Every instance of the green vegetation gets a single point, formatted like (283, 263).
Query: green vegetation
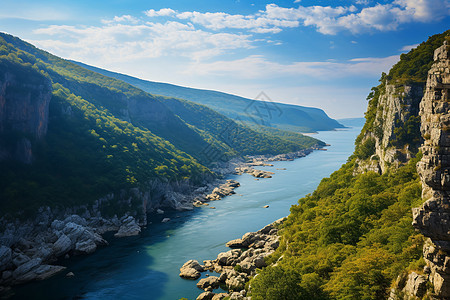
(278, 115)
(352, 237)
(349, 239)
(233, 137)
(414, 66)
(105, 135)
(411, 69)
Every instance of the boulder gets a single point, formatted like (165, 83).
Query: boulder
(191, 270)
(26, 268)
(46, 271)
(76, 219)
(165, 220)
(235, 283)
(206, 296)
(220, 296)
(259, 262)
(5, 257)
(247, 266)
(62, 245)
(19, 259)
(209, 282)
(73, 231)
(44, 251)
(85, 247)
(229, 258)
(237, 243)
(128, 228)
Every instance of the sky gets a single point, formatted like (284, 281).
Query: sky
(318, 53)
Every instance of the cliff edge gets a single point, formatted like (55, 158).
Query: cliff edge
(432, 219)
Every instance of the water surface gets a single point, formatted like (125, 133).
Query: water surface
(147, 266)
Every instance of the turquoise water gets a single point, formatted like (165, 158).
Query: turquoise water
(147, 266)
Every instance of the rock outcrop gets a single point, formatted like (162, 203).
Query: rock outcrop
(191, 270)
(235, 266)
(432, 219)
(24, 110)
(396, 110)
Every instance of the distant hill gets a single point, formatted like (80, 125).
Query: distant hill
(69, 136)
(261, 112)
(352, 122)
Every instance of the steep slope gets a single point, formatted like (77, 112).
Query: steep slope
(278, 115)
(69, 135)
(236, 136)
(433, 217)
(353, 237)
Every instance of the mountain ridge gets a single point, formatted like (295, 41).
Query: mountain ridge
(286, 116)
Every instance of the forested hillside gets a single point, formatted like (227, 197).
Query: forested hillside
(262, 110)
(70, 135)
(353, 237)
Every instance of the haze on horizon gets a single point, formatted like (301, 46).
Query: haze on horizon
(309, 52)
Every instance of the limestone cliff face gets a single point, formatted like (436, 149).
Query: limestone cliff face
(433, 217)
(24, 109)
(397, 109)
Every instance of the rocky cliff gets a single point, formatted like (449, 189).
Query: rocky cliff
(391, 132)
(24, 110)
(432, 219)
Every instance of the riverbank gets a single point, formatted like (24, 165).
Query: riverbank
(29, 250)
(235, 267)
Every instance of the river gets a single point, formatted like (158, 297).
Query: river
(147, 266)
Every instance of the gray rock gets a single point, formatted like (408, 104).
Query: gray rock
(62, 245)
(44, 252)
(26, 268)
(46, 271)
(128, 228)
(85, 247)
(416, 285)
(73, 231)
(191, 270)
(70, 275)
(220, 296)
(5, 257)
(20, 259)
(209, 282)
(76, 219)
(58, 225)
(237, 243)
(206, 296)
(260, 262)
(235, 283)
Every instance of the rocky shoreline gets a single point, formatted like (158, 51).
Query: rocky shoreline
(28, 250)
(234, 267)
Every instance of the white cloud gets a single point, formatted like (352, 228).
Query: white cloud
(425, 10)
(117, 42)
(254, 23)
(327, 19)
(163, 12)
(122, 19)
(258, 67)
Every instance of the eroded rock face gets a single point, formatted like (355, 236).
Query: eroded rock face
(24, 109)
(433, 217)
(397, 106)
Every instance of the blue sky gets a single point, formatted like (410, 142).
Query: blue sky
(321, 53)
